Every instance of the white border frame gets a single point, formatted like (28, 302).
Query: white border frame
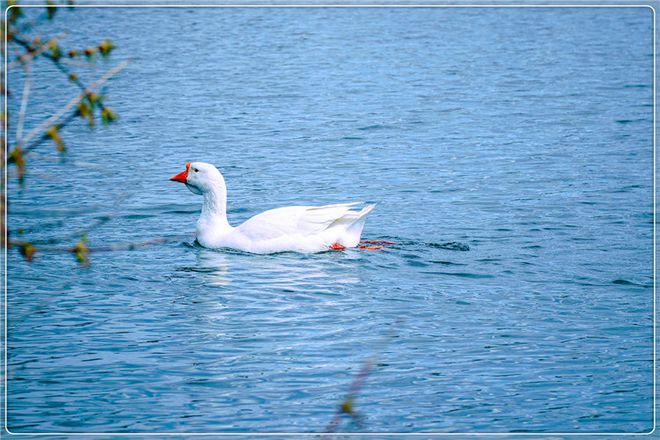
(334, 6)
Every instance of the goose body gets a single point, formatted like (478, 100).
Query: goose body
(305, 229)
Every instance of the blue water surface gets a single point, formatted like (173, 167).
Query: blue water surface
(510, 153)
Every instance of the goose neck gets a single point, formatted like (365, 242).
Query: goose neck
(214, 208)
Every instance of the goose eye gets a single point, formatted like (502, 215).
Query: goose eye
(195, 170)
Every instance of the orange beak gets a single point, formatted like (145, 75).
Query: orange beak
(182, 176)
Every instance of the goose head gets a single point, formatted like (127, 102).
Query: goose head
(200, 178)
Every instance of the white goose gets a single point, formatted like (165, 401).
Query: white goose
(293, 228)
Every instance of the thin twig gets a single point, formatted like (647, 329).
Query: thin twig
(118, 202)
(76, 163)
(76, 63)
(26, 26)
(132, 245)
(347, 405)
(44, 136)
(27, 84)
(57, 116)
(99, 221)
(74, 235)
(124, 246)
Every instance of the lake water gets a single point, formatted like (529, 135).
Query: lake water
(510, 153)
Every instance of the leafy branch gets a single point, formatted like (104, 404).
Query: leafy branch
(27, 50)
(82, 249)
(29, 47)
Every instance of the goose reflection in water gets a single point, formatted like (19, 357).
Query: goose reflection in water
(321, 273)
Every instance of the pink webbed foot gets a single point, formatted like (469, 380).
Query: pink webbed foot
(337, 247)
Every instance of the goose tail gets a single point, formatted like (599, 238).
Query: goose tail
(353, 222)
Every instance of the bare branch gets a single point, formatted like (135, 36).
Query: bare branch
(57, 116)
(27, 84)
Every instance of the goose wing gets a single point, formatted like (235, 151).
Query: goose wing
(296, 220)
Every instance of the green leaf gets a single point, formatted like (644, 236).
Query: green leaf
(54, 134)
(108, 116)
(55, 50)
(347, 406)
(27, 250)
(93, 98)
(16, 157)
(81, 251)
(106, 47)
(89, 53)
(85, 111)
